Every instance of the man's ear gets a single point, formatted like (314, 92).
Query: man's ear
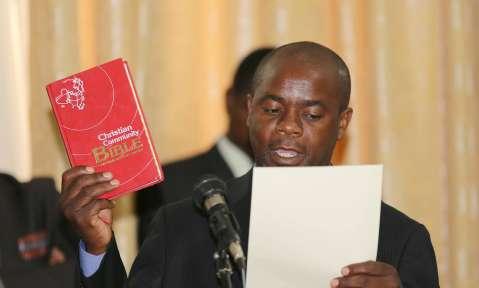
(249, 106)
(229, 100)
(344, 119)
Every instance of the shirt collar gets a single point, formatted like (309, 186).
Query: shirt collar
(237, 160)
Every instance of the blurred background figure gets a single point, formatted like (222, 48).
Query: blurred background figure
(229, 157)
(414, 67)
(35, 249)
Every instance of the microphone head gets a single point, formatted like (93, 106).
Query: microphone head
(207, 186)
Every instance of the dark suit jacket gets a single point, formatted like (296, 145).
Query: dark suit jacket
(178, 252)
(180, 177)
(25, 209)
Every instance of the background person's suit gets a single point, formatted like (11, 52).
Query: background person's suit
(180, 177)
(29, 210)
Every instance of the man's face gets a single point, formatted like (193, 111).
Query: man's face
(294, 116)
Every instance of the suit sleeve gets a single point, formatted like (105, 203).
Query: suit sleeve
(147, 202)
(110, 274)
(149, 266)
(418, 267)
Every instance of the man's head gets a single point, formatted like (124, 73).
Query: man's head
(237, 97)
(298, 107)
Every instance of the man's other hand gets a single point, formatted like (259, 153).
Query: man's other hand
(368, 274)
(90, 216)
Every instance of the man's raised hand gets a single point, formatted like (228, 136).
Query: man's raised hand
(91, 217)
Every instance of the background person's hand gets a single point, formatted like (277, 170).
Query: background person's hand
(368, 274)
(91, 217)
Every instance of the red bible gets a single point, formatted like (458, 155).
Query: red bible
(102, 126)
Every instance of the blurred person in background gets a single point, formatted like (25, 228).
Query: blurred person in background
(230, 156)
(35, 243)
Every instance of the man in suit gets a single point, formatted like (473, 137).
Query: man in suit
(297, 111)
(36, 246)
(230, 157)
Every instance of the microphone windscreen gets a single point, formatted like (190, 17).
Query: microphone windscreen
(207, 186)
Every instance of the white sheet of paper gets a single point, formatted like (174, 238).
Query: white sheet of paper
(308, 222)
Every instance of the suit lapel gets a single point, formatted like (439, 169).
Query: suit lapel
(214, 159)
(240, 202)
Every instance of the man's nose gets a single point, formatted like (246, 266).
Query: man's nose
(290, 124)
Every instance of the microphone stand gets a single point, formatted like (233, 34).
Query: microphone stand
(224, 269)
(210, 197)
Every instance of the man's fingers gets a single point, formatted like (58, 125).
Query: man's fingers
(357, 281)
(106, 216)
(98, 205)
(80, 182)
(74, 172)
(350, 282)
(89, 193)
(369, 268)
(88, 215)
(365, 281)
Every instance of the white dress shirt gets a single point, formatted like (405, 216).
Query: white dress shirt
(237, 160)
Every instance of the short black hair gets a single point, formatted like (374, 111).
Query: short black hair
(307, 51)
(243, 78)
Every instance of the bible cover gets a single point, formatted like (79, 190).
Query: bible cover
(102, 126)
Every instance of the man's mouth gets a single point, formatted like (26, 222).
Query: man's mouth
(286, 153)
(286, 156)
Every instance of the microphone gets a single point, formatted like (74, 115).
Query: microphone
(209, 195)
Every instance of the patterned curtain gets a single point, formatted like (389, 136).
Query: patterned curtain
(415, 71)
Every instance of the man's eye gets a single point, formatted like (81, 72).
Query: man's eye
(272, 111)
(311, 116)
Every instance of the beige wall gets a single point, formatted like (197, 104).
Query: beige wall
(15, 157)
(414, 68)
